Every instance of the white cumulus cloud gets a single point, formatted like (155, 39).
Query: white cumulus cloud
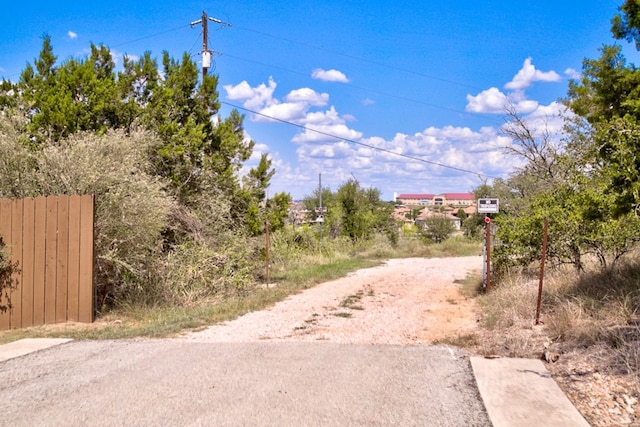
(494, 101)
(329, 75)
(308, 96)
(252, 97)
(572, 73)
(72, 35)
(529, 74)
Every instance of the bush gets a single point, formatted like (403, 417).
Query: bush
(436, 229)
(131, 206)
(17, 160)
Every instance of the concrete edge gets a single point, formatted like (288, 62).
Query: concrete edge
(28, 345)
(521, 392)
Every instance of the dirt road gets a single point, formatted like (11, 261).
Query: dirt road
(404, 301)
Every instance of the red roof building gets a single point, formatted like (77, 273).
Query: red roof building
(449, 199)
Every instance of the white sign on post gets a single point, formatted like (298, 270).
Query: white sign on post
(488, 206)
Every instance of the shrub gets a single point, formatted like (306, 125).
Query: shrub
(436, 229)
(131, 207)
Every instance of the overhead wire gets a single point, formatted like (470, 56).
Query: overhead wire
(353, 141)
(375, 91)
(150, 36)
(358, 58)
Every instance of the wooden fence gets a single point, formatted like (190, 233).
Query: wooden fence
(51, 240)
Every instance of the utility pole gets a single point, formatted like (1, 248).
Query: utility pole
(206, 53)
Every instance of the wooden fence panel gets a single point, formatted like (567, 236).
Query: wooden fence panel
(51, 239)
(62, 259)
(73, 301)
(16, 246)
(39, 257)
(27, 269)
(50, 248)
(86, 263)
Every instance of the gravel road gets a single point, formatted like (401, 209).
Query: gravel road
(211, 381)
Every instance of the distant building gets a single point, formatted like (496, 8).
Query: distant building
(442, 199)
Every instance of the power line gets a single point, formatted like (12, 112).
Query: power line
(378, 92)
(358, 58)
(383, 150)
(150, 36)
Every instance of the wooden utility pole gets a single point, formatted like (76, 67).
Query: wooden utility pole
(206, 53)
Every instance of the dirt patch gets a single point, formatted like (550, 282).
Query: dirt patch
(404, 301)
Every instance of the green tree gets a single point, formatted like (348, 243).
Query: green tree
(627, 24)
(277, 210)
(607, 97)
(257, 207)
(608, 88)
(362, 211)
(79, 95)
(437, 228)
(197, 150)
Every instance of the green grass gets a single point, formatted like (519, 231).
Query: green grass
(471, 286)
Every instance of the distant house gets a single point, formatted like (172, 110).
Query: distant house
(462, 200)
(448, 213)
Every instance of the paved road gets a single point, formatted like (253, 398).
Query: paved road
(174, 382)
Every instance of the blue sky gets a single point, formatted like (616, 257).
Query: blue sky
(424, 79)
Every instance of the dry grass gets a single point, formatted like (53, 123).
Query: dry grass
(577, 312)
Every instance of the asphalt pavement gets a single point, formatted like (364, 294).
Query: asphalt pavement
(175, 382)
(54, 382)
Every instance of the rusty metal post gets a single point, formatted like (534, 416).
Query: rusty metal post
(266, 224)
(544, 256)
(487, 223)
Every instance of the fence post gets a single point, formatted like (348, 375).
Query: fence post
(544, 256)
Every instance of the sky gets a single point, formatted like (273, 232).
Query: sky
(403, 96)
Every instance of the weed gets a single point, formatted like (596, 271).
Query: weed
(466, 340)
(351, 300)
(342, 314)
